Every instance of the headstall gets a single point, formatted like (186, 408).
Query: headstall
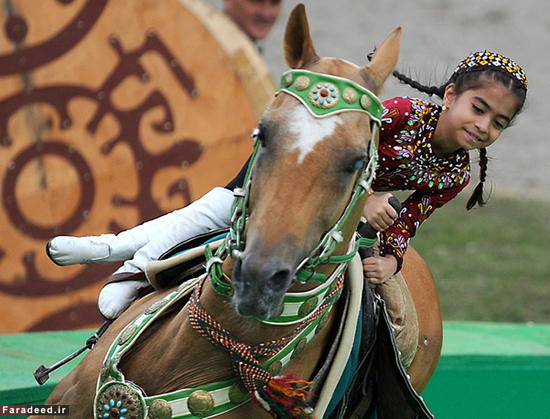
(323, 95)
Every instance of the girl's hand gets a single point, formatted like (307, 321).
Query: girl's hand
(378, 211)
(378, 269)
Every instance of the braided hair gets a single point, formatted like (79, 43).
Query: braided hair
(467, 80)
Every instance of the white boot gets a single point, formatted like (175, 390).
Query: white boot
(115, 297)
(211, 212)
(70, 250)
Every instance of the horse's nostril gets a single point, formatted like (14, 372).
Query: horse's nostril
(237, 270)
(279, 281)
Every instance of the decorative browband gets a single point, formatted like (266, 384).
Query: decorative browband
(325, 95)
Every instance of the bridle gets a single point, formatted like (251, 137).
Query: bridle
(323, 95)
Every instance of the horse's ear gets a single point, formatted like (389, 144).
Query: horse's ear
(384, 59)
(299, 49)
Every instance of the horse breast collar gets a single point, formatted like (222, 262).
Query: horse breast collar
(118, 398)
(278, 395)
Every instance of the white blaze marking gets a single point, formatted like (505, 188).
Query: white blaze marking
(309, 130)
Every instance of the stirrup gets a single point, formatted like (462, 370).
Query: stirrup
(42, 374)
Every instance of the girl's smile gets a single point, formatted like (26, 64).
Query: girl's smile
(473, 138)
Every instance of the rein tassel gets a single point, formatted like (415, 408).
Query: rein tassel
(286, 398)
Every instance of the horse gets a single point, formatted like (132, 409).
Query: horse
(292, 235)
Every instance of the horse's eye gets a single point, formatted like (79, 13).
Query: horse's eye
(259, 135)
(355, 166)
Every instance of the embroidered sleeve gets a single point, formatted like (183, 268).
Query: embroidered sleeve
(415, 210)
(395, 117)
(407, 162)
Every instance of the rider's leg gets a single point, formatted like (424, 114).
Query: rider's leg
(402, 313)
(71, 250)
(212, 211)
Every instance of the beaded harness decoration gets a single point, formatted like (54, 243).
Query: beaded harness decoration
(118, 398)
(271, 392)
(283, 397)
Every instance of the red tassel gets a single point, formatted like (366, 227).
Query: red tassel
(287, 398)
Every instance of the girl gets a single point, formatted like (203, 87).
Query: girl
(423, 147)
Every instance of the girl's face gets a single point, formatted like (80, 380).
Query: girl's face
(475, 118)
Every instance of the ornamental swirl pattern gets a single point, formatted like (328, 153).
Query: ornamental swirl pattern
(99, 130)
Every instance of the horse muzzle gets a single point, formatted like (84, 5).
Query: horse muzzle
(259, 287)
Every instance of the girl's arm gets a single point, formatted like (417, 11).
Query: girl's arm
(378, 269)
(416, 209)
(380, 214)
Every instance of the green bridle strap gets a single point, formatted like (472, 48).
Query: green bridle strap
(239, 208)
(322, 255)
(218, 281)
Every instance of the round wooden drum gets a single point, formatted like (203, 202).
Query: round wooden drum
(112, 112)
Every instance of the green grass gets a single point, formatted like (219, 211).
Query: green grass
(491, 263)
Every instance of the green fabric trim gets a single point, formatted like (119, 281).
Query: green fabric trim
(324, 95)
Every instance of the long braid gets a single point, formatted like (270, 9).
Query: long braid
(429, 90)
(477, 195)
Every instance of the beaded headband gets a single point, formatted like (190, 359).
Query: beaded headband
(482, 60)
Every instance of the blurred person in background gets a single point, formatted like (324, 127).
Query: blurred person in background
(255, 17)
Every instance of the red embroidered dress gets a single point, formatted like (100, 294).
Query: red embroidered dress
(408, 162)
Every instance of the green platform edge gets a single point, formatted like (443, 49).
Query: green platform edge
(487, 370)
(21, 354)
(490, 371)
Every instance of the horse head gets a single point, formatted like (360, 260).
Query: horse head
(306, 165)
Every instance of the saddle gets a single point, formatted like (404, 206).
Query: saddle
(380, 388)
(374, 384)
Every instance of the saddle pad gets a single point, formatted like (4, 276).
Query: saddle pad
(161, 273)
(392, 394)
(396, 397)
(336, 373)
